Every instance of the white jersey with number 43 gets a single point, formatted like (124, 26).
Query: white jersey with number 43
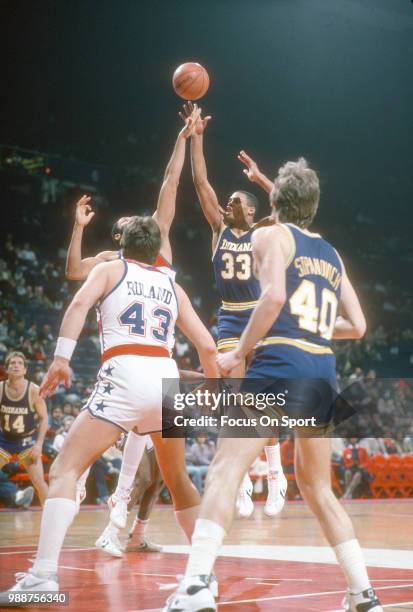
(141, 309)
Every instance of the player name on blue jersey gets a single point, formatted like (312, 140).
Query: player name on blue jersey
(239, 247)
(312, 266)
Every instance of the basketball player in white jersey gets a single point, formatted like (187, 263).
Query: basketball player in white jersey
(78, 268)
(138, 307)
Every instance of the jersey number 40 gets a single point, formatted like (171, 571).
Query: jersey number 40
(318, 319)
(134, 318)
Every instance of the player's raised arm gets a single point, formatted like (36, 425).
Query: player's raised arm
(93, 289)
(351, 324)
(253, 173)
(192, 327)
(165, 209)
(270, 261)
(76, 267)
(41, 409)
(206, 194)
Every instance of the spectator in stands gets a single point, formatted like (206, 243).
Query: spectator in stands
(408, 441)
(373, 446)
(11, 496)
(56, 419)
(392, 448)
(356, 476)
(61, 436)
(198, 457)
(67, 408)
(26, 254)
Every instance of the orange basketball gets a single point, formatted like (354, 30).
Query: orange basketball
(190, 81)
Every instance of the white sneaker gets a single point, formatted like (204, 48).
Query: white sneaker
(142, 545)
(24, 497)
(244, 504)
(213, 585)
(28, 581)
(366, 601)
(192, 595)
(277, 491)
(118, 506)
(109, 543)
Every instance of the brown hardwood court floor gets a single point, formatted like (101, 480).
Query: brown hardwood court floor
(280, 564)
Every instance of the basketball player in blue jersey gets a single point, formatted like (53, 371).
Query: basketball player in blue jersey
(23, 422)
(303, 287)
(239, 290)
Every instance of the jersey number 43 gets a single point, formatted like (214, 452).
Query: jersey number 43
(134, 318)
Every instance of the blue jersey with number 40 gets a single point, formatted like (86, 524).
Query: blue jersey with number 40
(313, 286)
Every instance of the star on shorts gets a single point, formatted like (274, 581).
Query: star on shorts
(108, 371)
(108, 388)
(100, 406)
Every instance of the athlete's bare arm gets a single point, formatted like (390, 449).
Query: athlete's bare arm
(99, 282)
(206, 194)
(192, 327)
(253, 173)
(351, 323)
(76, 267)
(165, 209)
(39, 405)
(270, 264)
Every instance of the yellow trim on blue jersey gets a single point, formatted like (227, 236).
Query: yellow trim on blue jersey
(304, 345)
(238, 306)
(5, 454)
(227, 343)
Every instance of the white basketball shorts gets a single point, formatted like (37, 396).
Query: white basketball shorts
(128, 391)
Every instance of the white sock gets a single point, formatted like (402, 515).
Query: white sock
(111, 529)
(81, 483)
(206, 541)
(132, 455)
(246, 484)
(351, 560)
(58, 514)
(272, 454)
(186, 519)
(138, 529)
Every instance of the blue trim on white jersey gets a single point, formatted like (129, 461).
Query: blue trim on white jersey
(125, 263)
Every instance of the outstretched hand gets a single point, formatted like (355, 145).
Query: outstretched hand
(59, 371)
(251, 171)
(84, 213)
(190, 119)
(201, 123)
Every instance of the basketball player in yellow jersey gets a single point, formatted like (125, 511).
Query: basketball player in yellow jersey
(239, 291)
(23, 422)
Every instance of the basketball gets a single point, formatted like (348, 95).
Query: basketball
(190, 81)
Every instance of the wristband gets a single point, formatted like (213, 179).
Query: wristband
(65, 347)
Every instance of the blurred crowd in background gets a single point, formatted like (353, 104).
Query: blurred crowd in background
(34, 293)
